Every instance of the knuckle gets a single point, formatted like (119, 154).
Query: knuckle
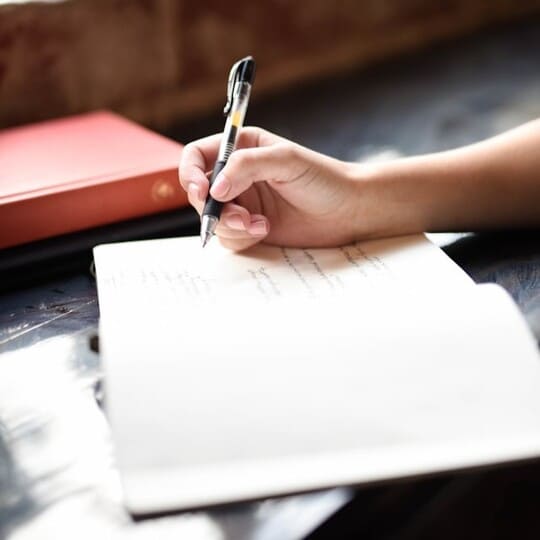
(251, 130)
(184, 158)
(189, 147)
(240, 159)
(287, 151)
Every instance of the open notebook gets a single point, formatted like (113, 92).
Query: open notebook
(239, 376)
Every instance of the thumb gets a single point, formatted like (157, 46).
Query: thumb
(278, 163)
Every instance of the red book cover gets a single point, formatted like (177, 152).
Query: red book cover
(80, 172)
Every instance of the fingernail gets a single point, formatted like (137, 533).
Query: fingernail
(234, 221)
(193, 190)
(220, 186)
(258, 228)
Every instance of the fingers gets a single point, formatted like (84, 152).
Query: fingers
(238, 231)
(279, 162)
(236, 223)
(198, 157)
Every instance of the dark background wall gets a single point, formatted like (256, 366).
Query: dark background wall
(164, 61)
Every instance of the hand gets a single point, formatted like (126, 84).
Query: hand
(285, 194)
(274, 190)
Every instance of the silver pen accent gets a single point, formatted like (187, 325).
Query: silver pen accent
(208, 228)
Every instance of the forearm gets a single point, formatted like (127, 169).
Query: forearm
(488, 185)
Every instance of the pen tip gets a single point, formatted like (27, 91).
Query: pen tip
(205, 238)
(208, 226)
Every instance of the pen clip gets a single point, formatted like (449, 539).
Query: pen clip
(233, 77)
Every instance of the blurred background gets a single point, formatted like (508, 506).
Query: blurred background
(359, 79)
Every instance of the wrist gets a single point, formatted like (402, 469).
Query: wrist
(392, 199)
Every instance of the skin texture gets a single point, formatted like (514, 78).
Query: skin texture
(281, 193)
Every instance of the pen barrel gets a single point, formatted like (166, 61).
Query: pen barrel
(213, 207)
(235, 120)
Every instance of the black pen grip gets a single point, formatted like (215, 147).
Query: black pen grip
(212, 207)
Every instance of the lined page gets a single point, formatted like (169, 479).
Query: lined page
(163, 274)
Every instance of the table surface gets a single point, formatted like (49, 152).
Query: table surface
(57, 476)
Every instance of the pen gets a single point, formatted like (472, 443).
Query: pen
(238, 90)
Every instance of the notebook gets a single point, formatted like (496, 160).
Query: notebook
(238, 376)
(80, 172)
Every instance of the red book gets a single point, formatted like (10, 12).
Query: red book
(80, 172)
